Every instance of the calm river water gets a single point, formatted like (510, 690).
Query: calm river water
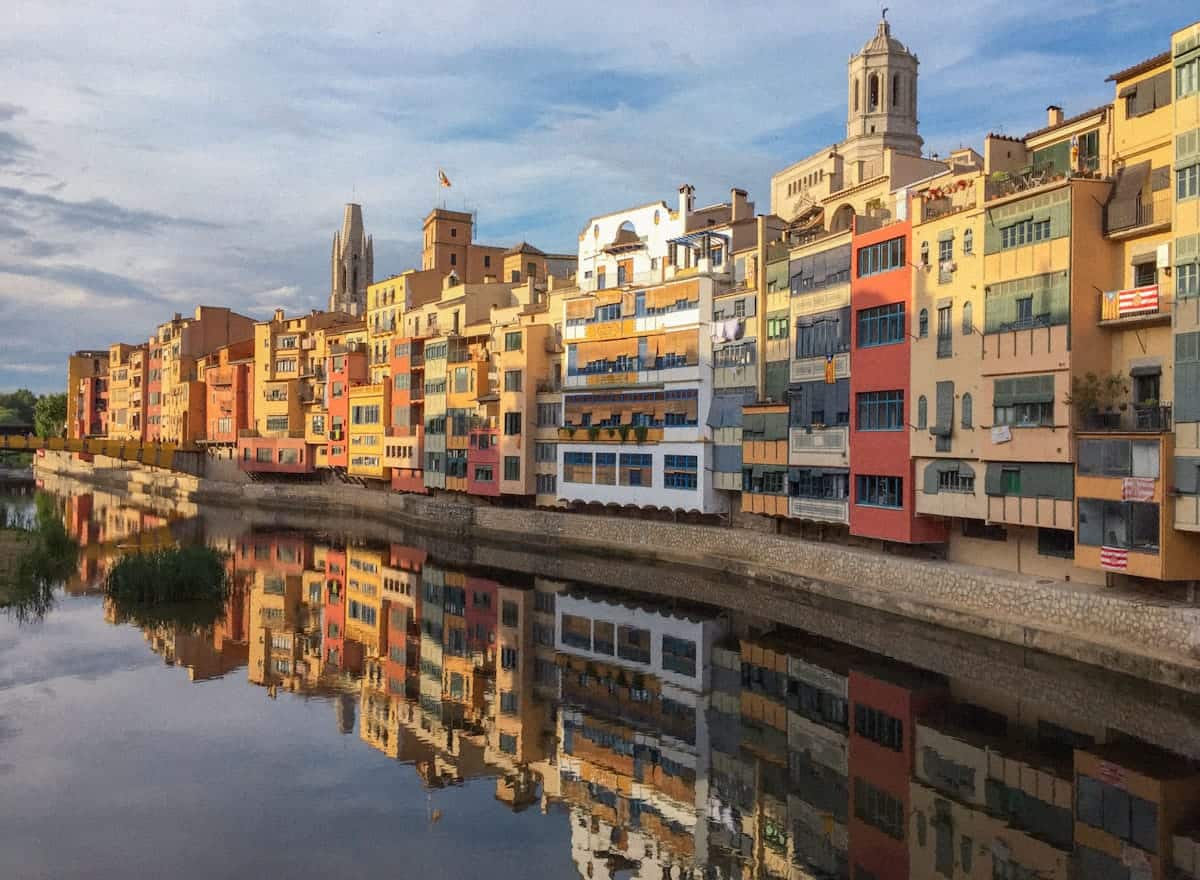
(373, 703)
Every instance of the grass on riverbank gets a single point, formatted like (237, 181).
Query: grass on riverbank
(169, 576)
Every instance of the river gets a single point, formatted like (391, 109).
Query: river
(379, 702)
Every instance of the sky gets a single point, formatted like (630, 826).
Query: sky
(155, 156)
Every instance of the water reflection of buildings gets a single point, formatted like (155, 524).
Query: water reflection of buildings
(682, 740)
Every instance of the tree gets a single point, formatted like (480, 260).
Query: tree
(18, 406)
(50, 415)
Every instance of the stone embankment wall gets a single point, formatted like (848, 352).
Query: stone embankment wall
(1124, 631)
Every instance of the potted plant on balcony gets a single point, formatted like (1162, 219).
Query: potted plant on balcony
(593, 432)
(640, 432)
(612, 433)
(1095, 397)
(623, 430)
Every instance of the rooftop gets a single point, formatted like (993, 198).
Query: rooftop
(1141, 67)
(1068, 121)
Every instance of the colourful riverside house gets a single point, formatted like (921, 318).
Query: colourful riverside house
(765, 459)
(346, 367)
(881, 472)
(228, 376)
(1185, 225)
(86, 372)
(370, 413)
(125, 420)
(154, 387)
(1125, 459)
(405, 443)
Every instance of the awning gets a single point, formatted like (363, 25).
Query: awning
(940, 430)
(1142, 259)
(699, 238)
(953, 465)
(1146, 370)
(946, 235)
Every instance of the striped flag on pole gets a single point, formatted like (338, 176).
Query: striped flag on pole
(1114, 557)
(443, 179)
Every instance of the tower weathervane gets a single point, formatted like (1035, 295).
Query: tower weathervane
(883, 12)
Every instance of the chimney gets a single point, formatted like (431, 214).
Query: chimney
(739, 208)
(278, 315)
(687, 194)
(1054, 115)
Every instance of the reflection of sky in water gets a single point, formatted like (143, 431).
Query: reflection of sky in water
(115, 765)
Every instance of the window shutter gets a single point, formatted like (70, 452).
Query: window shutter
(1187, 475)
(1187, 148)
(945, 409)
(1122, 209)
(1162, 89)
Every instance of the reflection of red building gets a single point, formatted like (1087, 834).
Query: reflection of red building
(347, 367)
(881, 471)
(408, 413)
(483, 462)
(480, 615)
(334, 615)
(884, 704)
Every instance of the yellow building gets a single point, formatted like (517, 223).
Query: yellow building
(125, 419)
(369, 408)
(365, 608)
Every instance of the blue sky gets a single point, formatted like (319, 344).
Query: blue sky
(153, 157)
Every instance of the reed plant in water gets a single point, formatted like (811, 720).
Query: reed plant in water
(172, 575)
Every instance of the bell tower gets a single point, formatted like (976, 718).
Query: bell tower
(352, 265)
(882, 102)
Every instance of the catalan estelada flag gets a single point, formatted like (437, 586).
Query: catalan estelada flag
(443, 179)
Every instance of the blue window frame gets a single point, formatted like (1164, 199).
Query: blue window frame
(881, 411)
(871, 491)
(679, 471)
(882, 257)
(882, 325)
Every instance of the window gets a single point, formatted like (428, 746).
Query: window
(546, 484)
(364, 415)
(508, 658)
(879, 727)
(945, 251)
(549, 415)
(968, 241)
(577, 467)
(636, 469)
(512, 423)
(512, 380)
(679, 655)
(1187, 280)
(883, 325)
(1024, 415)
(512, 467)
(512, 341)
(606, 468)
(872, 491)
(509, 613)
(277, 423)
(544, 452)
(1024, 232)
(968, 407)
(1117, 812)
(955, 481)
(922, 412)
(1126, 525)
(777, 328)
(1119, 458)
(1187, 182)
(944, 331)
(881, 411)
(923, 323)
(1056, 542)
(882, 257)
(968, 319)
(1187, 78)
(483, 473)
(633, 644)
(679, 472)
(879, 809)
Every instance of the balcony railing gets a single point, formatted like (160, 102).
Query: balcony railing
(1007, 183)
(1152, 419)
(1119, 219)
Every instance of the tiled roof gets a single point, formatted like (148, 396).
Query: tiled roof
(1070, 121)
(1141, 67)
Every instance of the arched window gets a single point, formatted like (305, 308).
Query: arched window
(856, 94)
(968, 241)
(922, 411)
(873, 92)
(895, 90)
(967, 414)
(968, 322)
(923, 324)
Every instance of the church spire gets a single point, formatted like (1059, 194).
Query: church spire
(352, 264)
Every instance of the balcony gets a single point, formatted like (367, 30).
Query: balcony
(1139, 418)
(832, 510)
(1008, 183)
(1146, 216)
(1134, 306)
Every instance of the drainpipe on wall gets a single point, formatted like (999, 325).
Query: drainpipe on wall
(760, 309)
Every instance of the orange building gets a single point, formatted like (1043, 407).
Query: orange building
(228, 375)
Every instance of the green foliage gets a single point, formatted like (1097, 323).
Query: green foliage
(640, 433)
(50, 415)
(161, 577)
(46, 554)
(1094, 393)
(593, 432)
(16, 408)
(623, 430)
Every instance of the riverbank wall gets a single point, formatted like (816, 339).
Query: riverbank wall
(1153, 638)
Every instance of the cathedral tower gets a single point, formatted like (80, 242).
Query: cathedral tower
(882, 101)
(352, 265)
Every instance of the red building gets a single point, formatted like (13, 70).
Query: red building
(483, 462)
(92, 410)
(883, 501)
(333, 616)
(885, 702)
(402, 665)
(276, 455)
(154, 392)
(229, 388)
(406, 436)
(346, 367)
(481, 615)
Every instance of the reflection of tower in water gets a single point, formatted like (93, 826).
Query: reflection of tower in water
(343, 708)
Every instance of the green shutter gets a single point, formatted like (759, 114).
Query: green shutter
(1038, 479)
(1023, 389)
(1051, 295)
(945, 409)
(1187, 148)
